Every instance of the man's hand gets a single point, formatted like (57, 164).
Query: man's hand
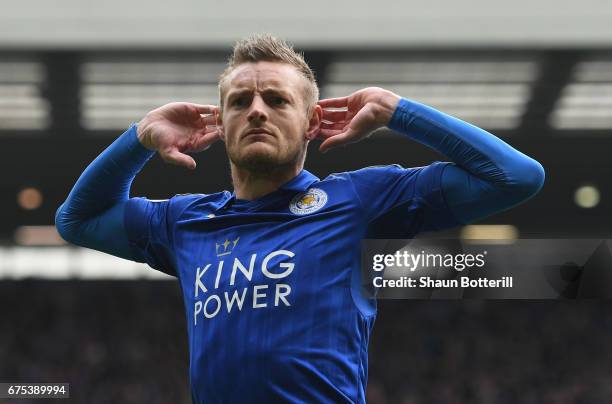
(354, 117)
(178, 128)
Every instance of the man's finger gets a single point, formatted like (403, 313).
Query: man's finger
(209, 117)
(341, 102)
(208, 120)
(334, 116)
(333, 125)
(173, 156)
(326, 133)
(335, 141)
(206, 140)
(205, 109)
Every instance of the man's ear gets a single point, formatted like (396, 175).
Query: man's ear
(314, 123)
(219, 124)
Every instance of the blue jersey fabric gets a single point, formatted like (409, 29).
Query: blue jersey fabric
(272, 297)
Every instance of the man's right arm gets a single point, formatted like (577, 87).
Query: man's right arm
(94, 213)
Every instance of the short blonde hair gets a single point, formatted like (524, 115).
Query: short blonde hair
(265, 47)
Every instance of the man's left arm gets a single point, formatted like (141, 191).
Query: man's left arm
(488, 176)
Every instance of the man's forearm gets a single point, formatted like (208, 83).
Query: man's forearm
(506, 175)
(104, 184)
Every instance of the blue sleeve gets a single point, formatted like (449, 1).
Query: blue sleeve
(95, 211)
(488, 175)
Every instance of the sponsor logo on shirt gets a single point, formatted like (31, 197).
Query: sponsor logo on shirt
(235, 282)
(308, 202)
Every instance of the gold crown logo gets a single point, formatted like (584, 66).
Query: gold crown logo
(226, 247)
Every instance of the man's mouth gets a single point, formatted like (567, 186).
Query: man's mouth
(259, 132)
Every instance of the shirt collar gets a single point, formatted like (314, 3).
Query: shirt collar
(299, 183)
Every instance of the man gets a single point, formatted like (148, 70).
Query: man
(270, 273)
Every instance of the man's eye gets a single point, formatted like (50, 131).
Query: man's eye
(278, 101)
(239, 102)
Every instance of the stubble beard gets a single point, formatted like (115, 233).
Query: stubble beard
(265, 161)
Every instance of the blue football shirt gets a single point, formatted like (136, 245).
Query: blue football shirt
(271, 287)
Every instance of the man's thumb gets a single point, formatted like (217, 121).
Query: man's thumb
(180, 159)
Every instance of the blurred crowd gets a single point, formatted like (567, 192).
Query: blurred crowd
(491, 352)
(114, 342)
(125, 342)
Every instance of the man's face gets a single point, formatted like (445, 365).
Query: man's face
(265, 122)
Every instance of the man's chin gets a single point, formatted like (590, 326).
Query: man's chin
(258, 159)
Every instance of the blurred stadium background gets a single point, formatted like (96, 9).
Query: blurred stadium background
(74, 75)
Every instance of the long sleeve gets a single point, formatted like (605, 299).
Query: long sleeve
(93, 214)
(488, 175)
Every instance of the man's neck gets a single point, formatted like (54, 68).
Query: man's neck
(250, 185)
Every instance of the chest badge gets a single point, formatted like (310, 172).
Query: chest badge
(308, 202)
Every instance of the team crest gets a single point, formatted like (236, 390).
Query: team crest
(308, 202)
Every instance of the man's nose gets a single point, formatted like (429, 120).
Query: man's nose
(257, 110)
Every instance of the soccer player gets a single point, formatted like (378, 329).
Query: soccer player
(270, 273)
